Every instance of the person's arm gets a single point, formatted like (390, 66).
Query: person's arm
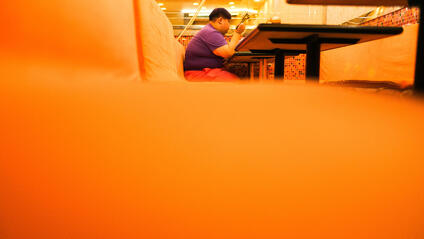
(229, 49)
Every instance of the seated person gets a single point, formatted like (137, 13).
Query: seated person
(205, 53)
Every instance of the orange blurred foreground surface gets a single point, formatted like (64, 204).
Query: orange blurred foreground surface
(123, 160)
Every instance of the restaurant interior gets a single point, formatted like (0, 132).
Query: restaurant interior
(318, 135)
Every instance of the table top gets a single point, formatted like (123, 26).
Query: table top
(253, 57)
(352, 2)
(293, 37)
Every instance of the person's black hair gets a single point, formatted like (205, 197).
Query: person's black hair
(219, 12)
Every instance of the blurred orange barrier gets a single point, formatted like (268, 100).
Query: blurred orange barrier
(391, 60)
(109, 159)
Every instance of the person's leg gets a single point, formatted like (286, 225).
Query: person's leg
(196, 76)
(208, 74)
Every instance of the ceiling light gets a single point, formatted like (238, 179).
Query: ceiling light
(232, 7)
(257, 0)
(195, 3)
(231, 3)
(163, 8)
(160, 4)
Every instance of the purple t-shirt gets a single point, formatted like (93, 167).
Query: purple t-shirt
(199, 52)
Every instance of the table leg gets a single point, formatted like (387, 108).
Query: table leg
(252, 71)
(419, 65)
(313, 53)
(261, 69)
(279, 65)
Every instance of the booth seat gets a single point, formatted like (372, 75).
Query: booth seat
(389, 61)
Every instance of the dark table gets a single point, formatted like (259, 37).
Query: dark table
(281, 40)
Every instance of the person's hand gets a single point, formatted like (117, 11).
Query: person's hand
(240, 29)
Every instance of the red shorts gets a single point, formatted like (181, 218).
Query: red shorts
(210, 74)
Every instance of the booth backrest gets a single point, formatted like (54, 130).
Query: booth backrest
(391, 59)
(68, 39)
(87, 39)
(160, 51)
